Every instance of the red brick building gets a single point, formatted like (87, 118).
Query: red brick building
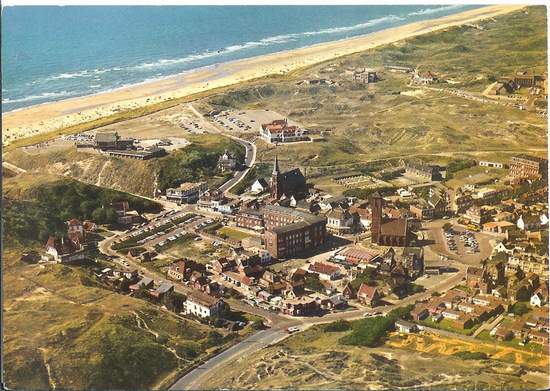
(387, 231)
(528, 167)
(290, 232)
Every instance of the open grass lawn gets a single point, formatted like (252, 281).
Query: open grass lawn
(233, 233)
(447, 324)
(513, 343)
(476, 176)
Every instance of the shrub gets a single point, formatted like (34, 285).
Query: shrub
(257, 324)
(339, 325)
(369, 332)
(471, 355)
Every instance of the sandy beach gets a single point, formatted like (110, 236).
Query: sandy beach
(57, 115)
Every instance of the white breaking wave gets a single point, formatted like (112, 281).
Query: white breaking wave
(166, 63)
(274, 40)
(45, 95)
(428, 11)
(84, 73)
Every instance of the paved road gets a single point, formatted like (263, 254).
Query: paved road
(250, 160)
(252, 344)
(14, 168)
(250, 150)
(197, 378)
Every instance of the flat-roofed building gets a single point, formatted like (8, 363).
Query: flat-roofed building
(290, 232)
(187, 192)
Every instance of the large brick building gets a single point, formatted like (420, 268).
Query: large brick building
(250, 218)
(290, 232)
(387, 231)
(528, 167)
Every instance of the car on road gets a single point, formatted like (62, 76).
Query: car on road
(292, 330)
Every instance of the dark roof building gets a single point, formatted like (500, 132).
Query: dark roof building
(290, 183)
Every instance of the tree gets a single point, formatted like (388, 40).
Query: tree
(313, 283)
(98, 215)
(520, 308)
(110, 216)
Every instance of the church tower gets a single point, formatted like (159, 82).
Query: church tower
(275, 185)
(376, 204)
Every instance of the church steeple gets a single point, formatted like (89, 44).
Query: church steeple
(275, 186)
(276, 166)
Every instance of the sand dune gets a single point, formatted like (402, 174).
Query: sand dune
(57, 115)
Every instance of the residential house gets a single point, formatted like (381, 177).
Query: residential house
(325, 271)
(368, 295)
(259, 186)
(405, 327)
(145, 282)
(63, 249)
(202, 304)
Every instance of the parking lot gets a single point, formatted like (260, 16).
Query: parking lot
(461, 242)
(459, 251)
(248, 121)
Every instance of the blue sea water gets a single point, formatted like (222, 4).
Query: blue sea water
(53, 53)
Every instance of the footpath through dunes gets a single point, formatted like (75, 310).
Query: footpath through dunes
(145, 98)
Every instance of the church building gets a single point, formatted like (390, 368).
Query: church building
(387, 231)
(290, 183)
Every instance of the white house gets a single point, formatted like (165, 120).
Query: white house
(63, 249)
(537, 300)
(405, 327)
(501, 248)
(202, 305)
(259, 186)
(340, 220)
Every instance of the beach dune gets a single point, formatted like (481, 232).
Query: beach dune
(54, 116)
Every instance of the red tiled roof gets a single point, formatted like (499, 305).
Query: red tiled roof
(362, 255)
(367, 291)
(395, 227)
(323, 268)
(73, 222)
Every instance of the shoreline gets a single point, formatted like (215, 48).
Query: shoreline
(53, 116)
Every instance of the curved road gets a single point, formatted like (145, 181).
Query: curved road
(250, 150)
(197, 378)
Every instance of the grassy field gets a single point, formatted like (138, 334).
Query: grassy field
(447, 324)
(383, 120)
(63, 330)
(313, 359)
(232, 233)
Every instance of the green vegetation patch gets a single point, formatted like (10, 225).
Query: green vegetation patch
(33, 211)
(196, 162)
(373, 331)
(471, 355)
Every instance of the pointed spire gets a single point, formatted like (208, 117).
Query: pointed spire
(276, 166)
